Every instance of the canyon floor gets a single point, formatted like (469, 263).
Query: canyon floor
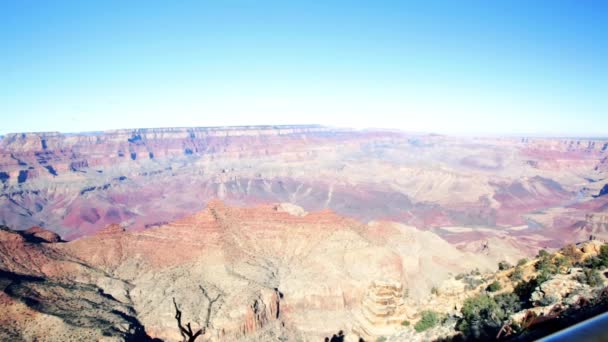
(273, 232)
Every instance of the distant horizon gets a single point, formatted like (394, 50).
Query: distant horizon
(312, 125)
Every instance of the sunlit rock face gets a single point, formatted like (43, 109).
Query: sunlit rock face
(77, 184)
(271, 232)
(252, 273)
(382, 309)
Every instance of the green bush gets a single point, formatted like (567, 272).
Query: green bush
(405, 323)
(484, 315)
(428, 320)
(563, 264)
(546, 265)
(594, 263)
(478, 321)
(522, 262)
(495, 286)
(604, 252)
(472, 282)
(525, 288)
(590, 277)
(509, 303)
(503, 265)
(517, 274)
(600, 261)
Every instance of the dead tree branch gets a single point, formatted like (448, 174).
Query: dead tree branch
(187, 334)
(209, 307)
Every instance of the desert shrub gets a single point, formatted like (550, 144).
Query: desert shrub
(572, 253)
(545, 265)
(472, 282)
(428, 320)
(405, 323)
(483, 315)
(495, 286)
(522, 262)
(600, 261)
(503, 265)
(476, 306)
(604, 254)
(478, 320)
(563, 263)
(543, 253)
(524, 290)
(590, 277)
(517, 274)
(543, 276)
(435, 290)
(381, 339)
(509, 303)
(460, 276)
(594, 263)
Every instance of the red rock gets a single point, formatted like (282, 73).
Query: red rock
(43, 234)
(111, 230)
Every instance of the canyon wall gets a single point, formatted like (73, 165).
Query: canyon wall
(76, 184)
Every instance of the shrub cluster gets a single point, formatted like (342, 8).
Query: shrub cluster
(517, 274)
(503, 265)
(428, 320)
(495, 286)
(483, 315)
(600, 261)
(590, 277)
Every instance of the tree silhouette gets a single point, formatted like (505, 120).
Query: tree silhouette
(188, 335)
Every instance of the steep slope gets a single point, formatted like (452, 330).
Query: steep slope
(275, 270)
(52, 296)
(516, 303)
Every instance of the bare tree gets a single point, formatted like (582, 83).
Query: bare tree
(211, 302)
(186, 331)
(187, 334)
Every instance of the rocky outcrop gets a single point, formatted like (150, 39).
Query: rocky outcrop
(596, 223)
(265, 308)
(382, 310)
(266, 273)
(556, 289)
(39, 234)
(291, 209)
(111, 229)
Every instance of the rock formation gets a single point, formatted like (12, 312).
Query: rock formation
(382, 310)
(269, 273)
(77, 184)
(308, 217)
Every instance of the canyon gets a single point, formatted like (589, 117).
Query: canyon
(272, 232)
(76, 184)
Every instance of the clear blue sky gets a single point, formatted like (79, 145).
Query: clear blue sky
(448, 66)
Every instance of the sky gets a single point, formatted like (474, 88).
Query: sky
(454, 67)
